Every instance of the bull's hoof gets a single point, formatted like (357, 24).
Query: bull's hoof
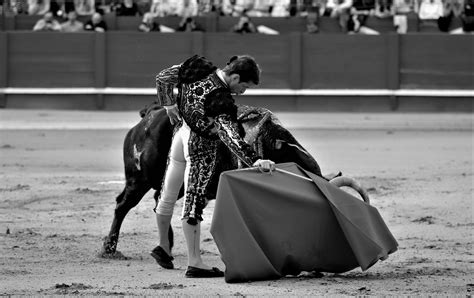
(116, 255)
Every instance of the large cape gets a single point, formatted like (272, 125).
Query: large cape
(267, 226)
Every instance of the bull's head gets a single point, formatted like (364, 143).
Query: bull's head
(272, 141)
(282, 147)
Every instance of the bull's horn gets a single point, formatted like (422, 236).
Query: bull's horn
(350, 182)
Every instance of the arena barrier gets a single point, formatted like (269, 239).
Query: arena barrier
(274, 99)
(117, 70)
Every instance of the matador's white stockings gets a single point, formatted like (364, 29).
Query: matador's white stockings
(177, 169)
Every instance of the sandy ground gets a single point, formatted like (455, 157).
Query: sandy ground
(61, 171)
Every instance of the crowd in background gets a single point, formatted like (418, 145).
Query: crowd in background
(350, 14)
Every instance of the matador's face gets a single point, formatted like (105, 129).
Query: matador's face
(237, 87)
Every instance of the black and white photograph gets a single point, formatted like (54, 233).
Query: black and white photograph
(248, 148)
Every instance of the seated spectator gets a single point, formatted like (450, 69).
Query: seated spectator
(356, 23)
(47, 23)
(312, 22)
(281, 8)
(143, 6)
(261, 8)
(149, 24)
(454, 8)
(187, 9)
(304, 7)
(401, 9)
(451, 9)
(313, 6)
(163, 8)
(104, 6)
(72, 24)
(360, 11)
(84, 7)
(189, 25)
(58, 8)
(313, 10)
(207, 6)
(467, 18)
(430, 10)
(17, 7)
(67, 6)
(96, 23)
(339, 10)
(38, 7)
(127, 8)
(244, 25)
(383, 8)
(236, 8)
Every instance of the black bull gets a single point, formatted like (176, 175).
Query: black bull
(145, 154)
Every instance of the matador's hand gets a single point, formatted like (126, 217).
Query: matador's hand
(265, 164)
(173, 113)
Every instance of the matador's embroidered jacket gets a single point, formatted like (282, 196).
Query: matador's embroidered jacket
(209, 110)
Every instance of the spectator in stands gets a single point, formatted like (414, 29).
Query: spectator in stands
(357, 23)
(187, 9)
(430, 10)
(454, 7)
(402, 9)
(163, 8)
(189, 25)
(312, 22)
(360, 11)
(143, 6)
(72, 24)
(18, 6)
(313, 6)
(261, 8)
(47, 23)
(339, 9)
(84, 7)
(64, 7)
(96, 23)
(38, 7)
(467, 18)
(281, 8)
(236, 8)
(244, 25)
(149, 24)
(451, 9)
(383, 8)
(57, 7)
(127, 8)
(207, 6)
(313, 10)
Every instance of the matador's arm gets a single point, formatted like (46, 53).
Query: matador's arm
(166, 80)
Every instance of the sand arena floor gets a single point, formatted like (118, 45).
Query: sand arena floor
(61, 172)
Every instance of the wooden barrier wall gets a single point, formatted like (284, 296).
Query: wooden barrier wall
(296, 61)
(289, 61)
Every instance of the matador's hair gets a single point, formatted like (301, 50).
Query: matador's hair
(245, 66)
(194, 69)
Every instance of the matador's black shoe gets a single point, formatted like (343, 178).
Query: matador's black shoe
(162, 258)
(195, 272)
